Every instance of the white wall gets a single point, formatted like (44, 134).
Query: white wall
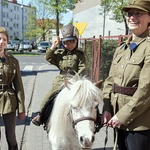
(95, 23)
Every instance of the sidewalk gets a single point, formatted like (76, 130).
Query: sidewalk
(35, 138)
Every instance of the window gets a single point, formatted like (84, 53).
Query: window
(7, 24)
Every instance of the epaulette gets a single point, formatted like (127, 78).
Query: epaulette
(122, 45)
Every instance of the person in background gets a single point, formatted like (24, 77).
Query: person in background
(127, 89)
(67, 57)
(11, 91)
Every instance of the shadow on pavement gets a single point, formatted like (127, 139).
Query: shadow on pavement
(30, 73)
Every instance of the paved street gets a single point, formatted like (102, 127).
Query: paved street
(31, 137)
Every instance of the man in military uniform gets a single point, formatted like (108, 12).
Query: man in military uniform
(67, 58)
(127, 89)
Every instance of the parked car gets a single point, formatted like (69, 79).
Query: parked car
(42, 46)
(25, 45)
(16, 44)
(10, 46)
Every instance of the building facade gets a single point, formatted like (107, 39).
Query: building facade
(88, 11)
(14, 17)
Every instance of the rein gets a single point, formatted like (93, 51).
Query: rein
(98, 126)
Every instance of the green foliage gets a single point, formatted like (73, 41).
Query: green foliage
(39, 24)
(4, 2)
(31, 24)
(88, 55)
(62, 6)
(114, 8)
(48, 15)
(107, 50)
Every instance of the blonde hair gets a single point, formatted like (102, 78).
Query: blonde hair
(4, 31)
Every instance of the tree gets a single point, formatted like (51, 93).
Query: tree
(57, 7)
(115, 7)
(39, 24)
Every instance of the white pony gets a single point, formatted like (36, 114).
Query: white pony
(72, 122)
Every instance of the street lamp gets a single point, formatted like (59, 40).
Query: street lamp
(22, 26)
(1, 13)
(22, 20)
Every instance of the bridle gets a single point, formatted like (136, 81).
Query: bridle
(98, 125)
(97, 121)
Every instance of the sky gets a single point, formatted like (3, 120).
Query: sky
(66, 17)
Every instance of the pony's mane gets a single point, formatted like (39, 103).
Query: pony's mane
(83, 93)
(80, 93)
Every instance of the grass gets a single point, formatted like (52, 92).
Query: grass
(25, 53)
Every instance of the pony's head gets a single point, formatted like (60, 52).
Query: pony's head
(84, 98)
(74, 114)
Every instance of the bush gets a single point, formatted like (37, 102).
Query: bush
(107, 50)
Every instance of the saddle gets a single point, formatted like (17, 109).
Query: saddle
(48, 107)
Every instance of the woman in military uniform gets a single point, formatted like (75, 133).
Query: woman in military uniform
(11, 91)
(67, 58)
(127, 89)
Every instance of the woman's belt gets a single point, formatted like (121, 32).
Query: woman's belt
(123, 90)
(4, 87)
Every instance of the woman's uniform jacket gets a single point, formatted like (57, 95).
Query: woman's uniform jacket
(130, 68)
(11, 87)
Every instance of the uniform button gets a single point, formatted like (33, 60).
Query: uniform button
(133, 60)
(0, 73)
(115, 95)
(127, 58)
(120, 76)
(122, 66)
(128, 122)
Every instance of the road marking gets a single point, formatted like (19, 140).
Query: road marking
(28, 68)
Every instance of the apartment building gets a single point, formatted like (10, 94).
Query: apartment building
(88, 11)
(14, 17)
